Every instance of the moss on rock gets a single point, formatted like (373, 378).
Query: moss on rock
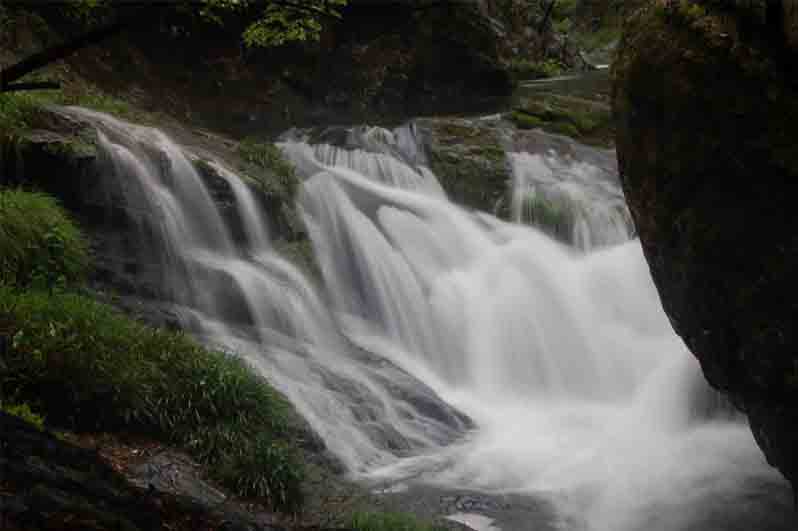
(706, 105)
(469, 161)
(584, 120)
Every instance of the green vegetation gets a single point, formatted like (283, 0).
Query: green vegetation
(266, 23)
(525, 69)
(20, 111)
(585, 120)
(371, 521)
(688, 10)
(522, 120)
(40, 244)
(268, 168)
(24, 412)
(87, 367)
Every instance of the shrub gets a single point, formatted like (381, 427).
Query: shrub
(39, 243)
(373, 521)
(89, 367)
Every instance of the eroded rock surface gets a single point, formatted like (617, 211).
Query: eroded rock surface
(706, 102)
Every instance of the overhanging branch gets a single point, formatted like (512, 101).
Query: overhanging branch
(37, 85)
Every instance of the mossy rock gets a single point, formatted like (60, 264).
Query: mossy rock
(469, 161)
(585, 120)
(706, 102)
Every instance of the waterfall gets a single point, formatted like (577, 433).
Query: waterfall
(572, 199)
(448, 346)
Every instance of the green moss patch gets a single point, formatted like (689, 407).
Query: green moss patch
(582, 119)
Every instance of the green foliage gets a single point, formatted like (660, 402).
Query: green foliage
(691, 10)
(17, 111)
(267, 166)
(276, 23)
(525, 69)
(88, 367)
(24, 412)
(523, 120)
(40, 245)
(374, 521)
(687, 10)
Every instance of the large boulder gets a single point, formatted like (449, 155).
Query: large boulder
(706, 104)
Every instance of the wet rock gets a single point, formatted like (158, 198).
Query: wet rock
(49, 483)
(706, 103)
(469, 159)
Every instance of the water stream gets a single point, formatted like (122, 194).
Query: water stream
(451, 348)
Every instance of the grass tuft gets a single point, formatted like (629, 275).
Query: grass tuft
(89, 367)
(40, 244)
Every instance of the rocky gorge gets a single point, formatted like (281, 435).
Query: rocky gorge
(541, 156)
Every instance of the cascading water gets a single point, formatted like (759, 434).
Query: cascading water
(572, 194)
(577, 388)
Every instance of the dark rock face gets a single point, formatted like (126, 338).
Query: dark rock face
(706, 103)
(49, 483)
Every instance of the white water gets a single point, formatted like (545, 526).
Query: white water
(578, 389)
(571, 198)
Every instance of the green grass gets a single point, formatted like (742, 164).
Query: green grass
(373, 521)
(20, 110)
(87, 367)
(39, 243)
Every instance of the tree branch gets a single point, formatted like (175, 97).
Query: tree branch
(37, 85)
(54, 53)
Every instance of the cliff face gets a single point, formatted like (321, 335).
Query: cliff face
(706, 104)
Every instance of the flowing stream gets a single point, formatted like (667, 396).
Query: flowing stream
(447, 347)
